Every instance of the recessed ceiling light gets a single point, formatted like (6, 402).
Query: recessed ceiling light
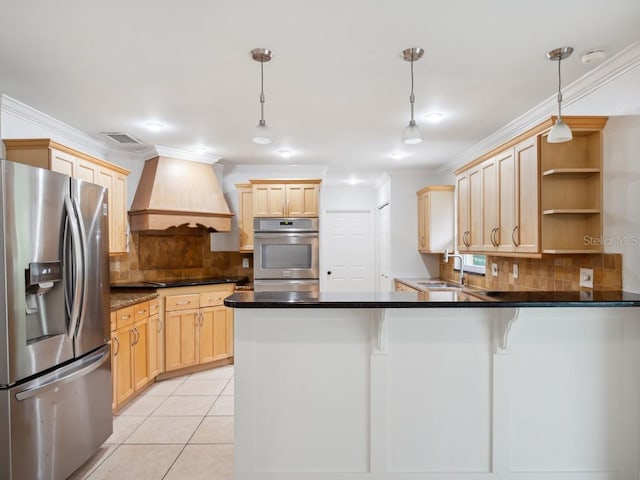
(397, 155)
(200, 149)
(434, 117)
(285, 153)
(154, 126)
(354, 181)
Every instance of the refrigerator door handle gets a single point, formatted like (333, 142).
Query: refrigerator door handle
(67, 374)
(82, 281)
(78, 259)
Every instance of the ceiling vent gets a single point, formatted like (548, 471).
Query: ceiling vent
(122, 138)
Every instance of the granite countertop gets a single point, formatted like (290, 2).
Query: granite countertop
(451, 298)
(121, 300)
(189, 282)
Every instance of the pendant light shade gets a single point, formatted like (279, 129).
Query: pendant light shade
(262, 133)
(560, 131)
(412, 134)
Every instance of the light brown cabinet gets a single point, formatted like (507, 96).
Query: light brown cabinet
(469, 200)
(198, 327)
(402, 287)
(45, 153)
(130, 352)
(436, 218)
(155, 345)
(285, 198)
(536, 197)
(571, 190)
(245, 216)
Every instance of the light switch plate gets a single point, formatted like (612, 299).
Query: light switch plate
(245, 262)
(586, 277)
(515, 270)
(494, 269)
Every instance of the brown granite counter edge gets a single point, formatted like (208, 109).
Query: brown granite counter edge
(125, 299)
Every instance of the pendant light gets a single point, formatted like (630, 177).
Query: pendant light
(262, 133)
(412, 133)
(560, 131)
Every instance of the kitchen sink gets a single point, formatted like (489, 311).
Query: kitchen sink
(439, 285)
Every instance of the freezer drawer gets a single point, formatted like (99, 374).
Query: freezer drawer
(51, 425)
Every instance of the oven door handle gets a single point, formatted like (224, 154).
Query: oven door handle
(270, 235)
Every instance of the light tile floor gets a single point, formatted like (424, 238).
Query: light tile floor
(178, 429)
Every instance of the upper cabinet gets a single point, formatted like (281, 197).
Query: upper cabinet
(469, 194)
(435, 218)
(285, 198)
(529, 197)
(245, 216)
(46, 153)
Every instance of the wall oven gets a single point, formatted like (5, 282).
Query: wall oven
(285, 255)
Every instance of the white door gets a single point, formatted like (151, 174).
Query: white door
(347, 252)
(385, 284)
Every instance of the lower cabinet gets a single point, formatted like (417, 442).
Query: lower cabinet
(403, 287)
(130, 362)
(155, 340)
(194, 328)
(199, 328)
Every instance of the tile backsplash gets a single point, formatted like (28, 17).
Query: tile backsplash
(175, 254)
(550, 273)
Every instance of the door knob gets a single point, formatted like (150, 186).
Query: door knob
(329, 272)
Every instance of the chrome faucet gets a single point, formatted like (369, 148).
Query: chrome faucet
(455, 255)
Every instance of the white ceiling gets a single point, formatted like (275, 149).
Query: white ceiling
(337, 90)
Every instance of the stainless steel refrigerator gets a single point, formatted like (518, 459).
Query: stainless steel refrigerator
(55, 364)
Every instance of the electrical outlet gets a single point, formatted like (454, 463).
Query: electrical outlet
(515, 270)
(494, 269)
(586, 277)
(245, 262)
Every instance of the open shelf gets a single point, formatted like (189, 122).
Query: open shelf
(577, 232)
(562, 211)
(567, 252)
(571, 171)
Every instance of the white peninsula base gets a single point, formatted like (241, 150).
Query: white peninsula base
(437, 393)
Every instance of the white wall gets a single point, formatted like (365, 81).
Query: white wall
(406, 261)
(621, 196)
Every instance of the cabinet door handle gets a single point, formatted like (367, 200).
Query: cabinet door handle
(183, 302)
(513, 236)
(115, 339)
(494, 241)
(160, 326)
(465, 239)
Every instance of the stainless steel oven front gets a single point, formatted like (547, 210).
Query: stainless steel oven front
(285, 248)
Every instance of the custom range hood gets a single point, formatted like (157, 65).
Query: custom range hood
(175, 192)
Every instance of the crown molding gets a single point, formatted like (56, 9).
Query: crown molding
(161, 151)
(56, 130)
(616, 66)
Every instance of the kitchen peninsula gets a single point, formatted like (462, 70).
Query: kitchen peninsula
(408, 385)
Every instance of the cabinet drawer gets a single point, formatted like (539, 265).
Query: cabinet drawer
(212, 299)
(154, 306)
(140, 311)
(182, 302)
(124, 317)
